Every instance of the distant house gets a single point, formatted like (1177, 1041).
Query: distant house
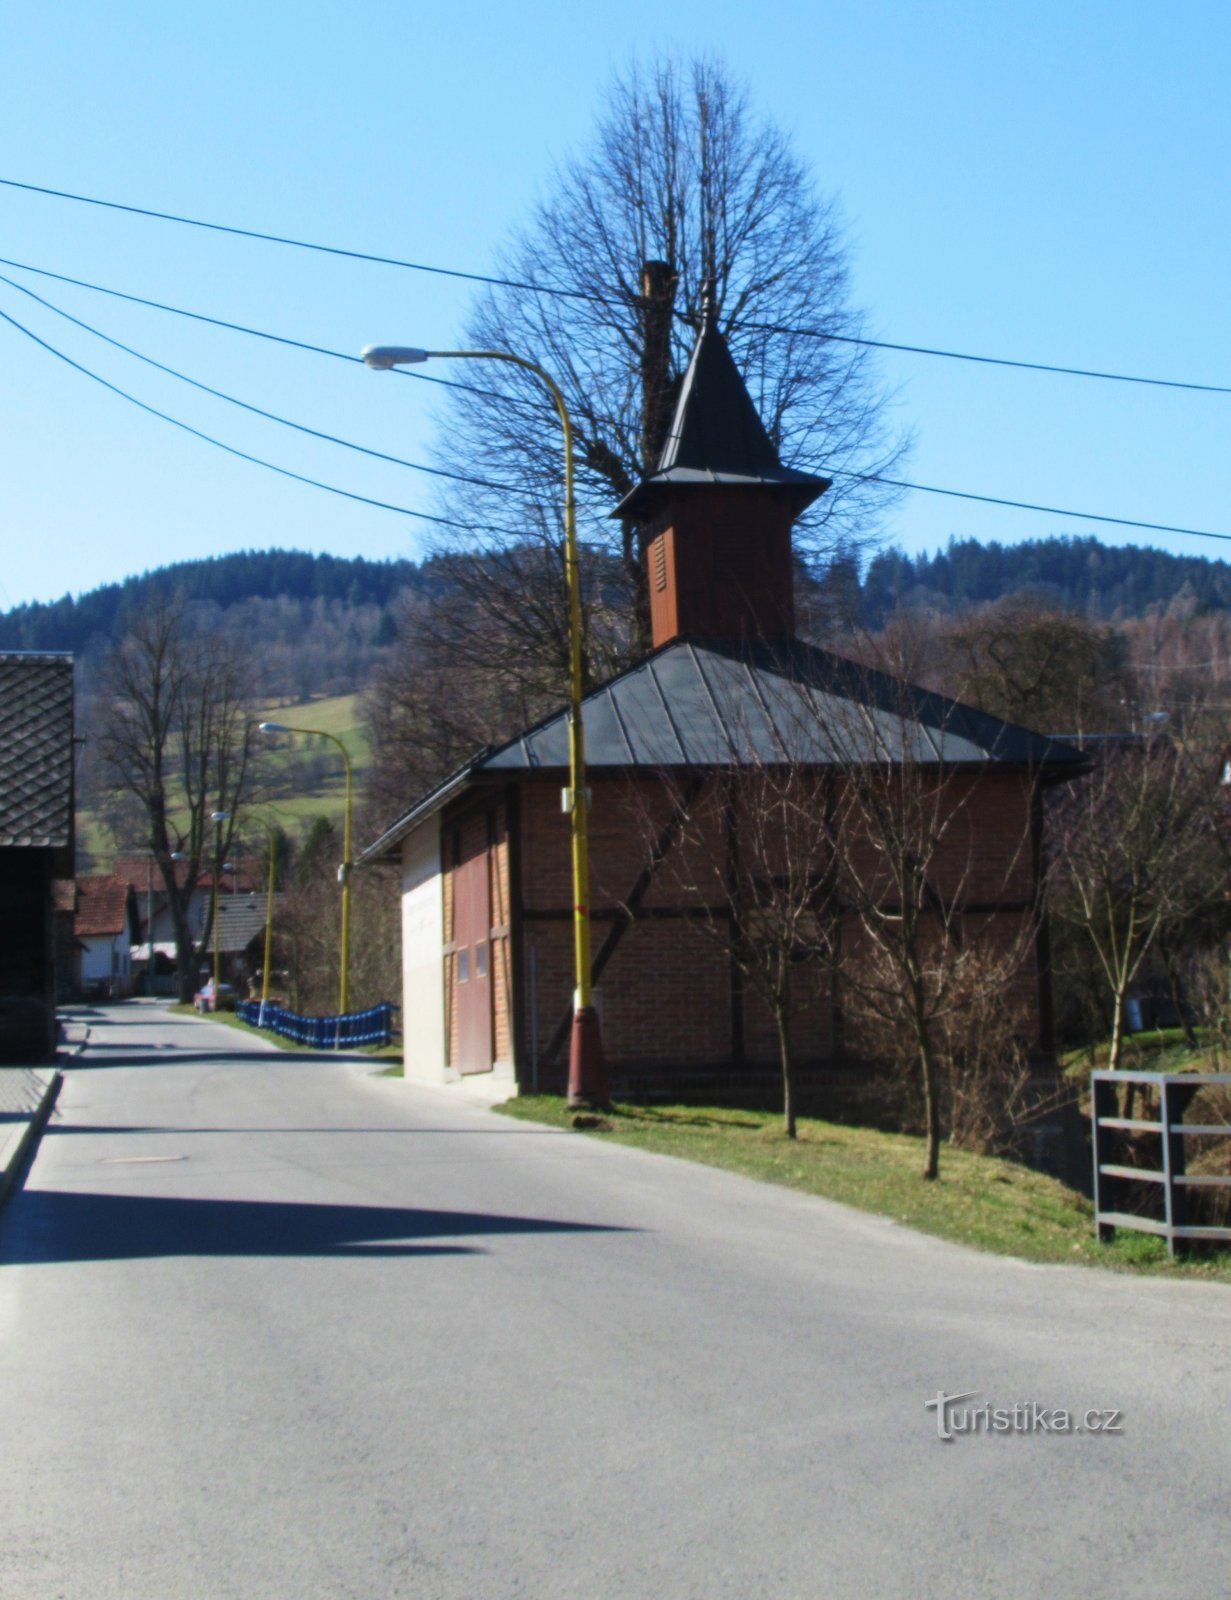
(727, 692)
(241, 937)
(105, 925)
(36, 844)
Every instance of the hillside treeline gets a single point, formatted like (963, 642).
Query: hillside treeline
(1075, 574)
(321, 624)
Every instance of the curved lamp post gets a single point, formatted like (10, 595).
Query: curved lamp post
(269, 916)
(587, 1073)
(344, 869)
(217, 818)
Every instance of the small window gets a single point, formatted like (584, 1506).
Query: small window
(463, 966)
(480, 960)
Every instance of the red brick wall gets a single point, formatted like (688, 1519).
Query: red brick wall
(666, 992)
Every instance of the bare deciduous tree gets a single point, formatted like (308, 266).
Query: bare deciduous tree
(754, 863)
(939, 919)
(175, 732)
(1138, 851)
(683, 184)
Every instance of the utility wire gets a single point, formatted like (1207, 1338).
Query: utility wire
(991, 361)
(243, 455)
(581, 294)
(244, 405)
(1027, 505)
(483, 483)
(298, 244)
(238, 327)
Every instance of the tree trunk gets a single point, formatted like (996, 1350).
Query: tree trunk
(1117, 1026)
(788, 1080)
(1175, 987)
(931, 1106)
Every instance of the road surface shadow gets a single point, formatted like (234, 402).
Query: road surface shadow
(60, 1130)
(47, 1225)
(127, 1055)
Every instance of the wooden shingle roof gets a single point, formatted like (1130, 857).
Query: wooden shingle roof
(36, 751)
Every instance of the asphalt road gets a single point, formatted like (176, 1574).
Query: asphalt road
(275, 1326)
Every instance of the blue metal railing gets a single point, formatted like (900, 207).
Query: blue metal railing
(373, 1026)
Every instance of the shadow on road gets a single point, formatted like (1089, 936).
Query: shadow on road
(43, 1226)
(60, 1130)
(127, 1055)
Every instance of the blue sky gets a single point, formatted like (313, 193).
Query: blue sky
(1045, 181)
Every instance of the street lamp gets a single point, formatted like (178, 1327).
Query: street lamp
(217, 818)
(344, 869)
(587, 1072)
(271, 872)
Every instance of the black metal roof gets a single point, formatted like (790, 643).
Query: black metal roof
(717, 437)
(724, 704)
(241, 917)
(36, 750)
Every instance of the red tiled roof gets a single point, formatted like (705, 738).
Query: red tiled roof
(102, 906)
(248, 876)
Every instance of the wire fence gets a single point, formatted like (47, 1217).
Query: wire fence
(373, 1026)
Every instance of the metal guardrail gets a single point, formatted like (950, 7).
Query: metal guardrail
(373, 1026)
(1112, 1176)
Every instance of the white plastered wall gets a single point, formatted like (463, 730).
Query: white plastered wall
(423, 984)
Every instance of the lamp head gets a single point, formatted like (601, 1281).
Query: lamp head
(383, 357)
(220, 816)
(273, 727)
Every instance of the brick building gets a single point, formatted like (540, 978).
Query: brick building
(678, 748)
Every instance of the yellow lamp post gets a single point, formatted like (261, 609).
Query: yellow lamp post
(344, 869)
(217, 818)
(587, 1077)
(269, 917)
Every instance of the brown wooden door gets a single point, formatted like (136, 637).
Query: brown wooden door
(472, 964)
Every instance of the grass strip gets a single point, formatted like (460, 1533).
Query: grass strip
(981, 1201)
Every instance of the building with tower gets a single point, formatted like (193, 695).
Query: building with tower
(727, 695)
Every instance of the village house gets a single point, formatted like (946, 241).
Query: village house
(728, 694)
(105, 926)
(36, 844)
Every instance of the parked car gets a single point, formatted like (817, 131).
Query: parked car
(204, 1000)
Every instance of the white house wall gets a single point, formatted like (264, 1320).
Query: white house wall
(423, 982)
(105, 956)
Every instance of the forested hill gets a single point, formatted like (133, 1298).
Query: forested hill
(79, 623)
(1080, 574)
(317, 624)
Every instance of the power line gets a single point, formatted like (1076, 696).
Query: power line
(1027, 505)
(896, 483)
(297, 244)
(237, 327)
(244, 405)
(596, 299)
(232, 450)
(992, 361)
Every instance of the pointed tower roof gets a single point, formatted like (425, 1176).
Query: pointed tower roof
(716, 436)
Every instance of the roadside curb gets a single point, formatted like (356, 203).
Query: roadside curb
(18, 1143)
